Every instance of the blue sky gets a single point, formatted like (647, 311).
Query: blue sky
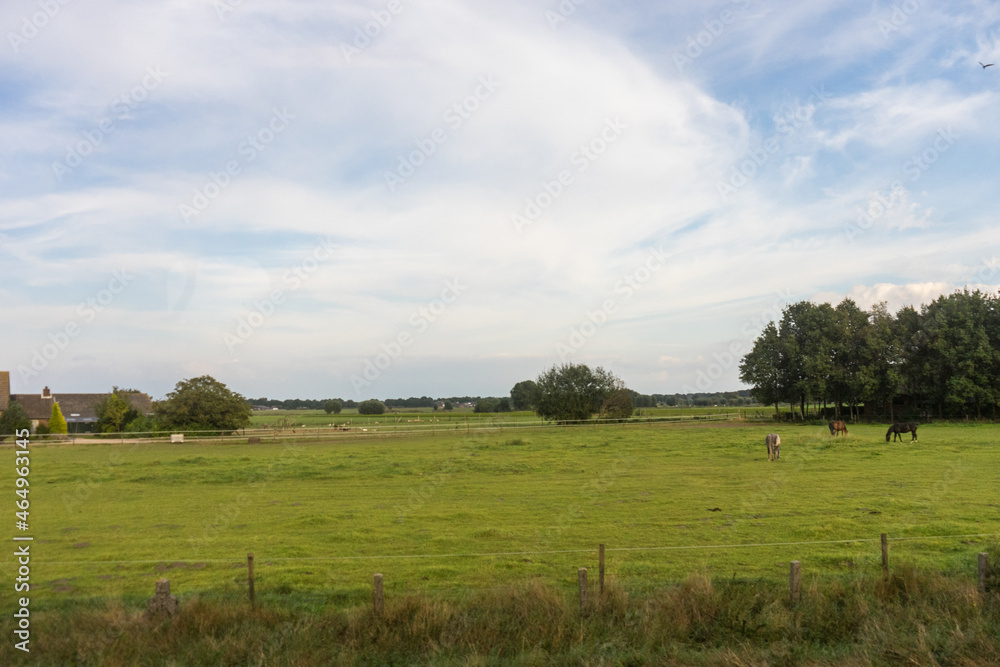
(383, 199)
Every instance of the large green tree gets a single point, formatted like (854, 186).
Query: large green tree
(960, 364)
(574, 392)
(761, 368)
(203, 403)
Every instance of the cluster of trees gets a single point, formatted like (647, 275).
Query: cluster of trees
(493, 405)
(739, 398)
(574, 392)
(942, 360)
(412, 402)
(525, 395)
(301, 403)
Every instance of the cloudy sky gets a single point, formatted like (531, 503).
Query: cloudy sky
(393, 198)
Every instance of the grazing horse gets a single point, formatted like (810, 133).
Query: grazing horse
(838, 427)
(773, 442)
(900, 427)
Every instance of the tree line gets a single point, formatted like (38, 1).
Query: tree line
(942, 360)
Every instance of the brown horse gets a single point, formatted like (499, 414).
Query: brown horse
(900, 427)
(838, 427)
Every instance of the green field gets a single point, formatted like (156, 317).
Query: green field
(423, 419)
(322, 516)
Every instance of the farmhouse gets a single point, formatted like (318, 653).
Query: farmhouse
(76, 408)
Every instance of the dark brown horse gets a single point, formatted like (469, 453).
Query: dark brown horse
(838, 427)
(896, 429)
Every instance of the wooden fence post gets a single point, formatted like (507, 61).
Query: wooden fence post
(581, 576)
(984, 570)
(795, 582)
(378, 599)
(885, 554)
(253, 600)
(600, 570)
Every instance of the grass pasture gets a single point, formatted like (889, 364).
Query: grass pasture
(321, 517)
(427, 419)
(678, 505)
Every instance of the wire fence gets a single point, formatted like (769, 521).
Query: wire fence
(352, 587)
(372, 429)
(499, 554)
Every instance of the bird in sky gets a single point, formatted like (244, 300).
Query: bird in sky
(986, 65)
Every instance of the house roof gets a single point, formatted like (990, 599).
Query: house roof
(76, 407)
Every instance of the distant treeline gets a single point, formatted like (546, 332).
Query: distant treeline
(720, 398)
(502, 403)
(299, 403)
(943, 360)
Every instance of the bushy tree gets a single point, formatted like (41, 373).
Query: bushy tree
(203, 403)
(14, 419)
(371, 407)
(57, 423)
(574, 392)
(113, 412)
(618, 404)
(524, 395)
(142, 424)
(333, 406)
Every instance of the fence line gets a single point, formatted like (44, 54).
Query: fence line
(519, 553)
(370, 430)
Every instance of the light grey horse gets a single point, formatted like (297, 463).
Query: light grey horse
(773, 442)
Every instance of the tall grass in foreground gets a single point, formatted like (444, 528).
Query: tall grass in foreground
(913, 617)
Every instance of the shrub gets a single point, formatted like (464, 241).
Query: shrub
(371, 407)
(57, 423)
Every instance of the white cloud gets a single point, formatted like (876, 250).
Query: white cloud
(675, 137)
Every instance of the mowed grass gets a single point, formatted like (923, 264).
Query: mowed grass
(322, 517)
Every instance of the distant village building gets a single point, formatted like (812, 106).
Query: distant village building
(76, 408)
